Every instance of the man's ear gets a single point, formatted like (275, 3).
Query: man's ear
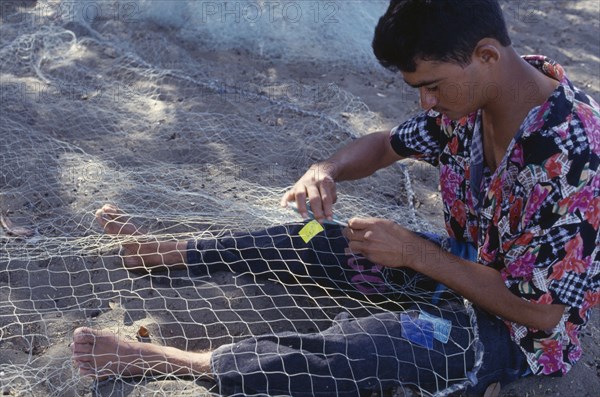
(487, 51)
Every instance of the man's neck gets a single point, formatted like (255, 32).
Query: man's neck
(523, 88)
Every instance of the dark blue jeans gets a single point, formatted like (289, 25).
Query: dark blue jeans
(431, 346)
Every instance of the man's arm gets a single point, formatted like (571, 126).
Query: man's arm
(356, 160)
(389, 244)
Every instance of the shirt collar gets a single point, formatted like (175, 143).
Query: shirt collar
(556, 108)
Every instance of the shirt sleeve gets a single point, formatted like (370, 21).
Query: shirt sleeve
(419, 138)
(553, 256)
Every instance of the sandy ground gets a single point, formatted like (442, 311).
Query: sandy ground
(49, 296)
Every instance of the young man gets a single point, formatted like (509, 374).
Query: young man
(518, 149)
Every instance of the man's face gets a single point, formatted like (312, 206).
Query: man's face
(447, 88)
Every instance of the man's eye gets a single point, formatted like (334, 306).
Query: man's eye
(432, 88)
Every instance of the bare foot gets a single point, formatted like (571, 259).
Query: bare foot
(144, 252)
(115, 221)
(101, 354)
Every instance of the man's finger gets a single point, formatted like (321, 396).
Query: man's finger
(354, 234)
(316, 204)
(358, 223)
(356, 247)
(287, 197)
(317, 208)
(328, 198)
(301, 203)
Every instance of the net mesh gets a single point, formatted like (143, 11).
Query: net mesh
(130, 103)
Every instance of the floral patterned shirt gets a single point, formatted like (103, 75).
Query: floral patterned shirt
(536, 218)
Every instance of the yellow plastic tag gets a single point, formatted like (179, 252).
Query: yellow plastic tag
(310, 230)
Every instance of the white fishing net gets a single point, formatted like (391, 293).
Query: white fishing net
(137, 103)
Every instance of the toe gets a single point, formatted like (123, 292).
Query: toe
(107, 213)
(101, 217)
(115, 221)
(112, 212)
(112, 209)
(82, 358)
(83, 335)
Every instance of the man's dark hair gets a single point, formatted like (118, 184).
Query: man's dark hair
(436, 30)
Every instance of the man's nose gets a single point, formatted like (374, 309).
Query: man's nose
(428, 99)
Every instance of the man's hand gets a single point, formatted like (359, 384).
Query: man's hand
(359, 159)
(388, 244)
(318, 185)
(381, 241)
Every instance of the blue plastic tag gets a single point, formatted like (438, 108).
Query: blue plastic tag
(417, 330)
(311, 215)
(441, 326)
